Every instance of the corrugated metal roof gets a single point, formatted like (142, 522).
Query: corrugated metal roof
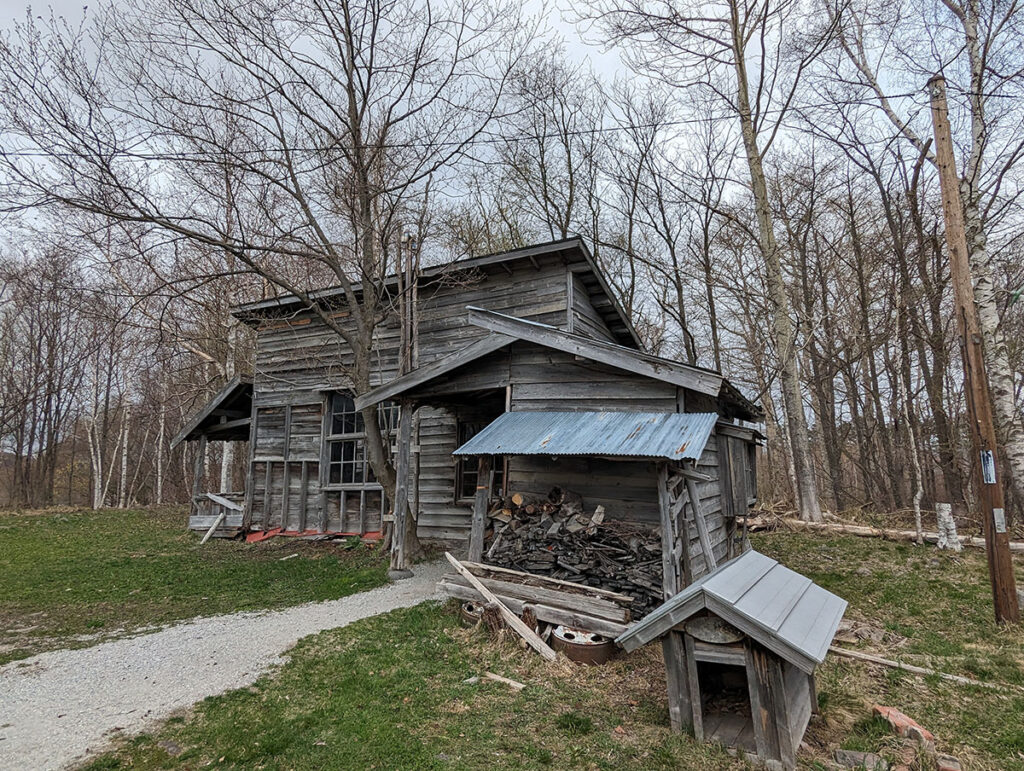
(781, 609)
(675, 436)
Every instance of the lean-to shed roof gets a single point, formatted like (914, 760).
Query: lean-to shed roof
(233, 401)
(784, 611)
(675, 436)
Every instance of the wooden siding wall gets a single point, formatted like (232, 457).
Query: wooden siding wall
(545, 379)
(528, 292)
(286, 453)
(585, 320)
(300, 358)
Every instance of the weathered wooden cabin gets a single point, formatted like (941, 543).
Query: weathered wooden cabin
(741, 647)
(534, 330)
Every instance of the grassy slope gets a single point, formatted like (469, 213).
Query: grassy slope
(388, 692)
(71, 578)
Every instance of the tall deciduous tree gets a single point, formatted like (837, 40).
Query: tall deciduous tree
(737, 51)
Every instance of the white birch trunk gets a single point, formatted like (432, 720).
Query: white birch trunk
(96, 463)
(122, 498)
(1009, 424)
(782, 325)
(162, 427)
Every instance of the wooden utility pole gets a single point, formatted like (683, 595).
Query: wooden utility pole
(988, 481)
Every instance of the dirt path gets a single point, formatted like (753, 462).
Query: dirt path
(57, 706)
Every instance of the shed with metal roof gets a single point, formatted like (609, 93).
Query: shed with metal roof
(752, 629)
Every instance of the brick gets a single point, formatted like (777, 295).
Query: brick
(906, 726)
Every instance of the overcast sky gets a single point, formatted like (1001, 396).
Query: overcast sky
(605, 64)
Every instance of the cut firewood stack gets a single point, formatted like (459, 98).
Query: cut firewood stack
(557, 538)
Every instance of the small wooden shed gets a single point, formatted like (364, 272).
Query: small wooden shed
(741, 646)
(227, 417)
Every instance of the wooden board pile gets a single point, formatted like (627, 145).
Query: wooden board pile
(547, 601)
(555, 537)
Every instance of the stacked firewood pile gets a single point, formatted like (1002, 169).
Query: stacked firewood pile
(556, 537)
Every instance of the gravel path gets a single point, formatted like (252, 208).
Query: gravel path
(57, 706)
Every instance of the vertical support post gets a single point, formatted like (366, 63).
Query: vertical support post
(680, 709)
(401, 504)
(197, 472)
(302, 496)
(669, 572)
(693, 681)
(979, 398)
(323, 467)
(483, 495)
(286, 490)
(250, 479)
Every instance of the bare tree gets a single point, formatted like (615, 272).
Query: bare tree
(330, 120)
(736, 51)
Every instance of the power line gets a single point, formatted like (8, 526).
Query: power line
(476, 141)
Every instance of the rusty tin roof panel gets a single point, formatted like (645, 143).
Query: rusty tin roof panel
(675, 436)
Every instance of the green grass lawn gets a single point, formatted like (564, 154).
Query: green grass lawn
(72, 578)
(389, 692)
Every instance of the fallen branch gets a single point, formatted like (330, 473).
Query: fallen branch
(917, 670)
(510, 618)
(756, 523)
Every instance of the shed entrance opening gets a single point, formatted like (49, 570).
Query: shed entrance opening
(725, 705)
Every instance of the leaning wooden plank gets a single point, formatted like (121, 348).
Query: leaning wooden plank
(590, 606)
(702, 526)
(214, 526)
(510, 618)
(545, 613)
(224, 502)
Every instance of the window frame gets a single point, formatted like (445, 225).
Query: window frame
(467, 465)
(388, 411)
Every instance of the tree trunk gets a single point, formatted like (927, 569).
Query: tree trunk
(782, 325)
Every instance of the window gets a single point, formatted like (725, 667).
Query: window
(346, 438)
(466, 471)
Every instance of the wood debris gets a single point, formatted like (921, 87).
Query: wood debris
(555, 537)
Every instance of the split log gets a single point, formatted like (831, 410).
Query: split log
(510, 618)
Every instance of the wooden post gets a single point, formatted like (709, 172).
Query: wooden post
(479, 522)
(669, 573)
(398, 525)
(680, 708)
(197, 473)
(976, 388)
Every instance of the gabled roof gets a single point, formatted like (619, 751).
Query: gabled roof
(782, 610)
(235, 396)
(672, 435)
(507, 329)
(574, 250)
